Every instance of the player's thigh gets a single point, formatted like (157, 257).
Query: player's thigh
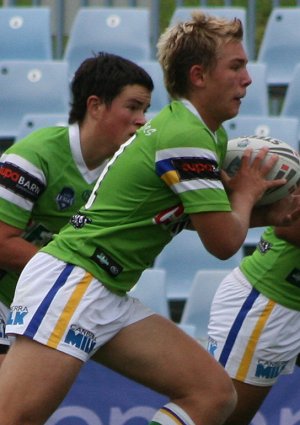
(35, 378)
(249, 400)
(156, 353)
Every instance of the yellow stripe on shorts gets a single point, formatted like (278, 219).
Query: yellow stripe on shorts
(68, 311)
(250, 348)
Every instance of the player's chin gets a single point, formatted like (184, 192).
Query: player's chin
(233, 109)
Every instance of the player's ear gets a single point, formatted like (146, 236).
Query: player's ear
(197, 75)
(93, 104)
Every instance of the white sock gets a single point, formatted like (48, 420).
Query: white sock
(171, 414)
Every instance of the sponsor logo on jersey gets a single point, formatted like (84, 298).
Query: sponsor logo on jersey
(169, 215)
(294, 277)
(173, 219)
(20, 181)
(65, 199)
(264, 246)
(269, 370)
(106, 262)
(196, 168)
(37, 234)
(79, 220)
(17, 314)
(148, 130)
(80, 338)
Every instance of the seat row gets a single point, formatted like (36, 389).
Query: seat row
(25, 33)
(151, 289)
(24, 86)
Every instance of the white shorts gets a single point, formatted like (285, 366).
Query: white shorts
(254, 338)
(64, 307)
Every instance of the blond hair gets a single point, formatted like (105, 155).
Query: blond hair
(195, 41)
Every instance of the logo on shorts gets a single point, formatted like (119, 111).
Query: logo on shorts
(80, 338)
(2, 329)
(211, 346)
(269, 370)
(17, 314)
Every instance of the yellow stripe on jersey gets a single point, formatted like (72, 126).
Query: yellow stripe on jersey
(68, 311)
(170, 178)
(250, 348)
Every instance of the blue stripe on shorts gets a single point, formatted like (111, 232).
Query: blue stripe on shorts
(237, 324)
(42, 310)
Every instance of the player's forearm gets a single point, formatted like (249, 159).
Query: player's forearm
(15, 252)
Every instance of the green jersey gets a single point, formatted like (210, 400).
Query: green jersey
(274, 270)
(167, 171)
(43, 181)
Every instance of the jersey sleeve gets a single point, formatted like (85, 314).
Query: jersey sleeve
(193, 174)
(21, 185)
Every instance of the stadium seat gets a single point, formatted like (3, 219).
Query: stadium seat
(30, 87)
(291, 101)
(282, 128)
(151, 290)
(280, 46)
(25, 33)
(123, 31)
(196, 311)
(32, 122)
(229, 12)
(160, 97)
(252, 103)
(252, 239)
(183, 257)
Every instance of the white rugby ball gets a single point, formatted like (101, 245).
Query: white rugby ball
(287, 166)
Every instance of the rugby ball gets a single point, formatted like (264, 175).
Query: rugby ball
(287, 166)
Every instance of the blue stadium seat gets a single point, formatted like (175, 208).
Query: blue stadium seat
(30, 87)
(151, 290)
(160, 97)
(280, 46)
(123, 31)
(252, 103)
(282, 128)
(183, 257)
(228, 12)
(196, 311)
(291, 101)
(25, 33)
(32, 122)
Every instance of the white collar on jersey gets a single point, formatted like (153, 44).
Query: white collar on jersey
(90, 176)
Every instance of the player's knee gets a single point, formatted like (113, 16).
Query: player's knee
(226, 400)
(221, 398)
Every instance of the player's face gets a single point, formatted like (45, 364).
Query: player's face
(126, 114)
(226, 85)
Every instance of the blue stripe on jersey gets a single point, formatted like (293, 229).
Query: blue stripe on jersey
(41, 311)
(237, 324)
(164, 165)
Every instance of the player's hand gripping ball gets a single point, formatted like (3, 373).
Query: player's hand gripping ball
(287, 166)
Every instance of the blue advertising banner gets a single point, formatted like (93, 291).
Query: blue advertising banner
(103, 397)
